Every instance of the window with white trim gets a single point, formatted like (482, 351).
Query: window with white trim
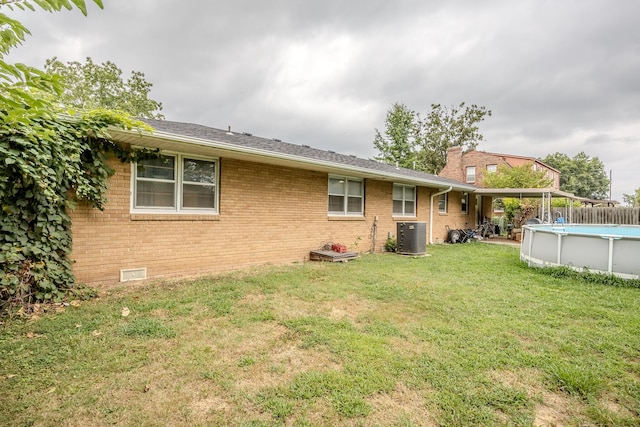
(404, 200)
(492, 168)
(175, 183)
(471, 174)
(346, 196)
(464, 203)
(443, 200)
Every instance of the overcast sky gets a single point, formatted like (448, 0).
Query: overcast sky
(559, 76)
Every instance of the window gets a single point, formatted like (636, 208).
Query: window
(175, 183)
(346, 196)
(442, 202)
(492, 168)
(404, 200)
(464, 203)
(471, 174)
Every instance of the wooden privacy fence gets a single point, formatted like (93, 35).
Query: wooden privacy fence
(602, 215)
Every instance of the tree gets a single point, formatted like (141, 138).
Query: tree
(399, 142)
(523, 176)
(48, 160)
(422, 144)
(447, 127)
(26, 91)
(632, 200)
(89, 85)
(580, 175)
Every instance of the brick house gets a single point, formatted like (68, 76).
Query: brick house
(220, 200)
(471, 167)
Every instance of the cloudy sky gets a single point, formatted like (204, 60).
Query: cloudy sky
(559, 76)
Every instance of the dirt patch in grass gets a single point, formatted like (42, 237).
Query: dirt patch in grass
(281, 366)
(552, 409)
(129, 398)
(254, 356)
(523, 378)
(402, 406)
(350, 309)
(252, 300)
(287, 307)
(211, 406)
(214, 409)
(301, 360)
(615, 407)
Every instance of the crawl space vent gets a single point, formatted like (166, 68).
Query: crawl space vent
(133, 274)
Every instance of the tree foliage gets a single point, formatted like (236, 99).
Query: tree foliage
(447, 127)
(47, 161)
(632, 200)
(523, 176)
(398, 144)
(42, 163)
(517, 211)
(422, 143)
(581, 175)
(26, 91)
(89, 86)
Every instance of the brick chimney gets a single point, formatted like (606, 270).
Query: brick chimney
(453, 168)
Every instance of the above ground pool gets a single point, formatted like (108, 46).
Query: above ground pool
(609, 249)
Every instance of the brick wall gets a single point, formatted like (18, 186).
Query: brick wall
(453, 169)
(267, 214)
(480, 160)
(457, 164)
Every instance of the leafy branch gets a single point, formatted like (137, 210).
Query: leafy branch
(48, 161)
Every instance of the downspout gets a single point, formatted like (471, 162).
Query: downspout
(433, 196)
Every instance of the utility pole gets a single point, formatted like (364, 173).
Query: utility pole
(610, 183)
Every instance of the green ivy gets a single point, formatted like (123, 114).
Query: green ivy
(47, 163)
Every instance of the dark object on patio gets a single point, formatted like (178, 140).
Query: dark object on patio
(509, 230)
(460, 235)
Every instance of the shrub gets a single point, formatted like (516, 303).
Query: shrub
(390, 245)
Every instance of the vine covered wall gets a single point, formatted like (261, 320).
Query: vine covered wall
(45, 167)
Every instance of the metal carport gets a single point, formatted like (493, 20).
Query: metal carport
(533, 193)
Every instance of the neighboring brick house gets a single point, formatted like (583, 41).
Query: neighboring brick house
(472, 166)
(219, 200)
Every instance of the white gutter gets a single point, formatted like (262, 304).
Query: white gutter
(283, 156)
(433, 196)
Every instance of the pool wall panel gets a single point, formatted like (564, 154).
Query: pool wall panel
(626, 256)
(585, 252)
(583, 247)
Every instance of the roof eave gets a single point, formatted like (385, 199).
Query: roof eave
(146, 139)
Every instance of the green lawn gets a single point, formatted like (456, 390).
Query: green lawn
(466, 336)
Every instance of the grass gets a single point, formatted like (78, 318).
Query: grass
(466, 336)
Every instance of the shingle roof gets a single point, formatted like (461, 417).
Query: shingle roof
(278, 147)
